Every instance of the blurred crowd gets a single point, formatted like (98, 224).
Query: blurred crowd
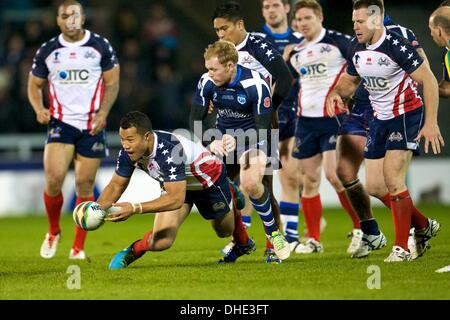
(146, 41)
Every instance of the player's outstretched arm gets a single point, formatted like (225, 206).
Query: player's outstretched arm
(34, 91)
(173, 199)
(430, 130)
(111, 79)
(112, 192)
(344, 89)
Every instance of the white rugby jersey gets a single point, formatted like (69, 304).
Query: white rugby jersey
(319, 64)
(175, 158)
(385, 67)
(74, 74)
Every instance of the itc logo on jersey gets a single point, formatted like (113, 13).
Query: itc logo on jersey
(317, 70)
(372, 83)
(73, 76)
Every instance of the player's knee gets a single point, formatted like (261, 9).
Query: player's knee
(223, 232)
(250, 185)
(54, 184)
(84, 187)
(160, 244)
(376, 190)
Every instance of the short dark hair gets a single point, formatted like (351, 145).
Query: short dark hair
(358, 4)
(138, 120)
(229, 11)
(310, 4)
(283, 1)
(445, 3)
(67, 3)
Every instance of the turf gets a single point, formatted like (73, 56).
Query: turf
(188, 270)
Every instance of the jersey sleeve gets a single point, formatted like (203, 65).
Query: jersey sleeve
(353, 58)
(413, 39)
(124, 166)
(39, 68)
(109, 57)
(404, 54)
(344, 44)
(204, 93)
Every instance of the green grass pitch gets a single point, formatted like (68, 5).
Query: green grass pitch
(189, 271)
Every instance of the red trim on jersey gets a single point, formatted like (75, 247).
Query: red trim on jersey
(337, 111)
(211, 168)
(395, 109)
(92, 108)
(60, 109)
(412, 101)
(299, 110)
(52, 108)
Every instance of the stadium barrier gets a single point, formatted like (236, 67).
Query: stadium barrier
(22, 182)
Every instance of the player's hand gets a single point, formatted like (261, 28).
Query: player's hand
(98, 123)
(334, 100)
(43, 116)
(122, 212)
(210, 108)
(432, 136)
(217, 147)
(229, 143)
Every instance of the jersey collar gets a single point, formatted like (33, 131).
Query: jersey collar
(242, 44)
(277, 35)
(87, 36)
(155, 145)
(318, 39)
(238, 76)
(375, 45)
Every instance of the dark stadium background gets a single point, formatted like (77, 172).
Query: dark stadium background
(161, 58)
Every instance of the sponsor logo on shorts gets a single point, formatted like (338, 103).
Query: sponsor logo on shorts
(98, 147)
(218, 206)
(332, 139)
(55, 133)
(395, 136)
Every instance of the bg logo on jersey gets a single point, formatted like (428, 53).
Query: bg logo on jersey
(376, 83)
(73, 76)
(314, 70)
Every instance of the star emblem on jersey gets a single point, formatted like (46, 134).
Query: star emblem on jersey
(403, 49)
(173, 177)
(415, 63)
(165, 152)
(410, 55)
(169, 160)
(252, 38)
(161, 145)
(269, 53)
(263, 45)
(388, 37)
(395, 42)
(172, 170)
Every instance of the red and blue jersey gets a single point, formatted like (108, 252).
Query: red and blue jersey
(319, 65)
(385, 68)
(74, 74)
(361, 96)
(175, 158)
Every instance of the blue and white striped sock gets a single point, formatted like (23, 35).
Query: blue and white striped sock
(264, 210)
(289, 217)
(247, 220)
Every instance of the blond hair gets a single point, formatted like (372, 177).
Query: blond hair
(225, 51)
